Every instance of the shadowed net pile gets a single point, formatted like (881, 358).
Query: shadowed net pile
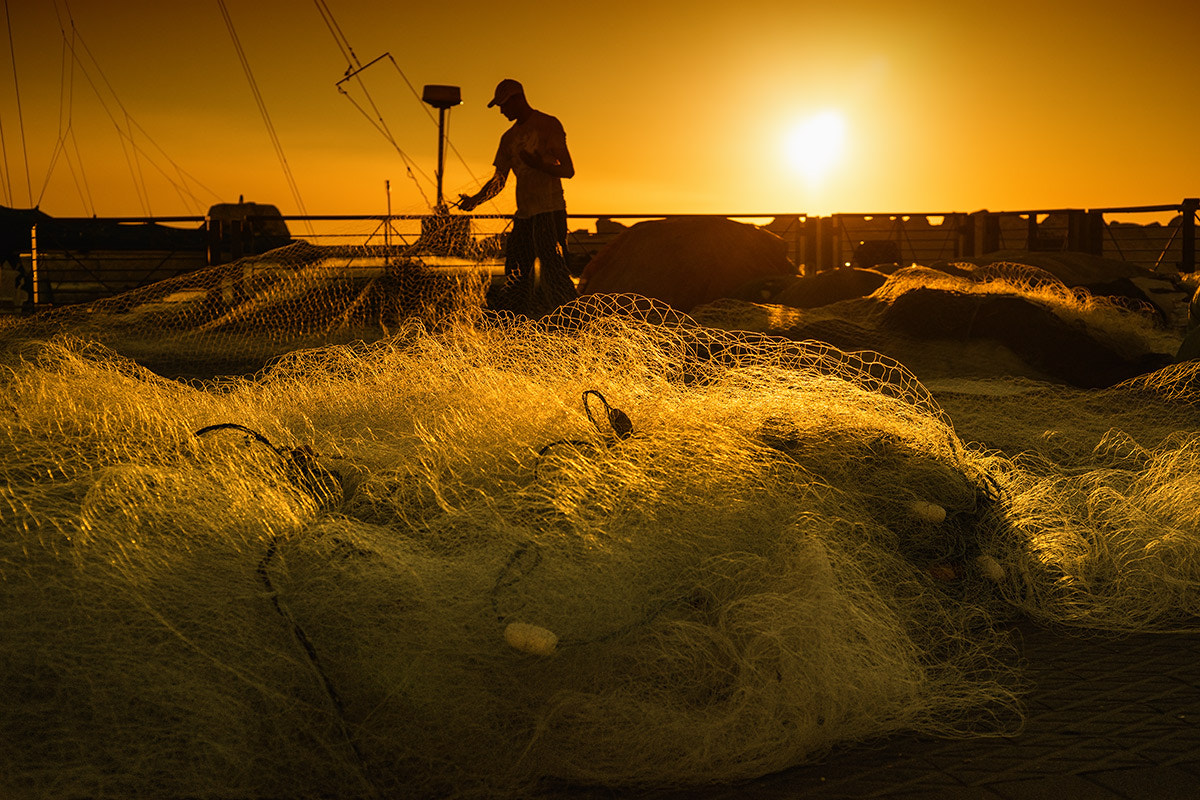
(608, 547)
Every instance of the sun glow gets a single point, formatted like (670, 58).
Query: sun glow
(815, 145)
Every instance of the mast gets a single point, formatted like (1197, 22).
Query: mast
(442, 98)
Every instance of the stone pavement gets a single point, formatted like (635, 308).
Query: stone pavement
(1106, 717)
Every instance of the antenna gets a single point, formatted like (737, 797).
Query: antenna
(442, 98)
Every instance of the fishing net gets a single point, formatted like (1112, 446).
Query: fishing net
(609, 546)
(453, 552)
(234, 318)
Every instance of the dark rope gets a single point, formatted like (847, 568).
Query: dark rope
(330, 690)
(297, 458)
(618, 421)
(303, 469)
(258, 437)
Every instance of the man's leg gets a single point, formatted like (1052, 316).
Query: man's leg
(519, 255)
(550, 248)
(519, 251)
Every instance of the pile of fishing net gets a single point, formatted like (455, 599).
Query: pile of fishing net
(601, 548)
(1000, 319)
(610, 547)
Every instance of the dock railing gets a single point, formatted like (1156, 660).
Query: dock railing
(818, 243)
(61, 269)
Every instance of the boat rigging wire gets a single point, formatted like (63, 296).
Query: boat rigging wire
(129, 151)
(4, 169)
(353, 68)
(74, 42)
(262, 107)
(65, 105)
(380, 125)
(20, 116)
(353, 71)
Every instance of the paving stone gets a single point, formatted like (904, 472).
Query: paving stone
(1157, 782)
(1055, 787)
(1107, 717)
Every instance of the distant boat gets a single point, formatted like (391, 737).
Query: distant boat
(61, 261)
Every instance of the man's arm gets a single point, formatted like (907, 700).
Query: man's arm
(489, 190)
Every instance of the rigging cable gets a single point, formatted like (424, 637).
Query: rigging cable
(65, 104)
(20, 116)
(139, 184)
(380, 125)
(137, 165)
(262, 107)
(68, 95)
(122, 134)
(354, 68)
(4, 170)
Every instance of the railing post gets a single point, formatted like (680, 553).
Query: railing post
(812, 235)
(1076, 227)
(33, 262)
(212, 235)
(1095, 233)
(825, 256)
(964, 243)
(797, 241)
(1085, 231)
(987, 233)
(1187, 262)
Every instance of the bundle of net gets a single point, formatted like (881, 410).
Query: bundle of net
(234, 318)
(1129, 327)
(1106, 536)
(606, 548)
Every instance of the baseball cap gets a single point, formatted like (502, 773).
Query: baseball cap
(504, 90)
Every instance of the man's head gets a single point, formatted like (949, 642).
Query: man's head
(510, 97)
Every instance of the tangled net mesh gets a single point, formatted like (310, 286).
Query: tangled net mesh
(233, 319)
(473, 553)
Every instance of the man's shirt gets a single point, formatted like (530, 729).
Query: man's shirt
(537, 192)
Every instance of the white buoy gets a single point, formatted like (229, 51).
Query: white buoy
(990, 567)
(930, 512)
(532, 639)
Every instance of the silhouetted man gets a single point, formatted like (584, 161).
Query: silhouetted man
(534, 149)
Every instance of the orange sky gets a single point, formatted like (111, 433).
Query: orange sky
(668, 107)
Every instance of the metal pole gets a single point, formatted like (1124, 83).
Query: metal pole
(441, 153)
(33, 259)
(387, 224)
(1188, 223)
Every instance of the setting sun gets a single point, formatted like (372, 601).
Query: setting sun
(815, 145)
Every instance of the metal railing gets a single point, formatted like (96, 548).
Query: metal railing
(76, 260)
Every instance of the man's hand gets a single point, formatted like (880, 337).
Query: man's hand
(466, 203)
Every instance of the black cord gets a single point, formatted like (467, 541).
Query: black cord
(618, 422)
(311, 651)
(234, 426)
(301, 460)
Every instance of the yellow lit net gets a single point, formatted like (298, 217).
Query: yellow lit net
(450, 552)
